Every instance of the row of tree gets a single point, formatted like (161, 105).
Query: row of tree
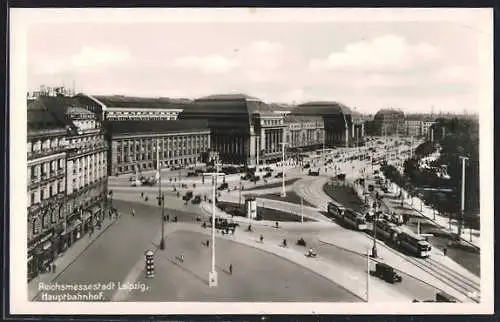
(457, 137)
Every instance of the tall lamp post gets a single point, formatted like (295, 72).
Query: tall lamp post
(212, 275)
(283, 191)
(161, 197)
(462, 203)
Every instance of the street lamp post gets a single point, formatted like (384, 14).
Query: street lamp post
(212, 275)
(161, 197)
(462, 204)
(283, 192)
(367, 275)
(301, 209)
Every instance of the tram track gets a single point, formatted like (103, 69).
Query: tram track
(455, 280)
(442, 273)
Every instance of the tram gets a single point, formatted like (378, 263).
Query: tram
(414, 244)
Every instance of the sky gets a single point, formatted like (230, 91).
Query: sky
(415, 65)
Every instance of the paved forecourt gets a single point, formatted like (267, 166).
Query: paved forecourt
(257, 275)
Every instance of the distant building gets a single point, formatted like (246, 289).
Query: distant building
(241, 127)
(134, 144)
(388, 122)
(67, 171)
(305, 132)
(342, 126)
(135, 124)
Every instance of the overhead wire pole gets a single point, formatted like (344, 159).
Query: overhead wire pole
(462, 203)
(283, 192)
(212, 275)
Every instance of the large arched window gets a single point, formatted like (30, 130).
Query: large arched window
(34, 226)
(53, 214)
(45, 220)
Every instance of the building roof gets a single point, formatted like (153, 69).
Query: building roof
(156, 126)
(292, 118)
(229, 104)
(61, 107)
(323, 108)
(40, 118)
(140, 102)
(224, 97)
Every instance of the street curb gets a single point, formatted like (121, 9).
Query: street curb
(78, 256)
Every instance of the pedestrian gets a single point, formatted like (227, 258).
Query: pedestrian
(445, 250)
(133, 212)
(142, 194)
(284, 242)
(204, 225)
(261, 238)
(277, 224)
(182, 257)
(230, 269)
(208, 243)
(53, 268)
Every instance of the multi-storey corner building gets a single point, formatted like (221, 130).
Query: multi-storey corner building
(304, 132)
(79, 188)
(46, 186)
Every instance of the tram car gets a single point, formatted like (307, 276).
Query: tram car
(354, 219)
(335, 210)
(414, 244)
(386, 230)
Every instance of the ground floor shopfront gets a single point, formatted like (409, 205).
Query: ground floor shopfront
(46, 247)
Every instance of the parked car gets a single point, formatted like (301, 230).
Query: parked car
(268, 175)
(279, 175)
(192, 174)
(386, 273)
(341, 176)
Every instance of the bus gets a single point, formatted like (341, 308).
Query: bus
(386, 230)
(414, 243)
(335, 210)
(354, 219)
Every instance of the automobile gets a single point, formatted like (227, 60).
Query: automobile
(267, 175)
(371, 188)
(132, 178)
(199, 171)
(176, 167)
(223, 186)
(268, 169)
(313, 173)
(196, 200)
(341, 176)
(307, 166)
(192, 174)
(279, 175)
(386, 273)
